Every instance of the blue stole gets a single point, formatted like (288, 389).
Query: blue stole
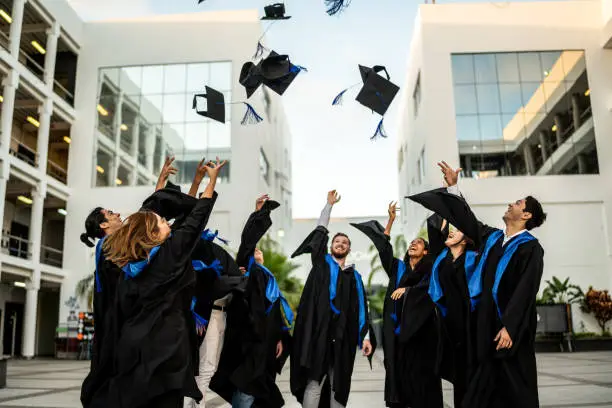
(99, 258)
(334, 270)
(215, 266)
(134, 268)
(401, 270)
(475, 284)
(273, 294)
(208, 235)
(435, 289)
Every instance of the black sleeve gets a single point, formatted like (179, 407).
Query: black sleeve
(256, 298)
(255, 228)
(436, 235)
(315, 244)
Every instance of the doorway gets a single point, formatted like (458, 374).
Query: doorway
(13, 328)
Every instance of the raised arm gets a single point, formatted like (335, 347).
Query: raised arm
(255, 228)
(437, 232)
(197, 178)
(165, 172)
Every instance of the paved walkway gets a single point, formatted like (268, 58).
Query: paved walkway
(566, 380)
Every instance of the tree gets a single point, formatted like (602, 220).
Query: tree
(279, 264)
(599, 303)
(560, 292)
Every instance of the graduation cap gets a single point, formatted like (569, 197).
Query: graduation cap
(377, 93)
(453, 209)
(250, 78)
(216, 107)
(278, 72)
(335, 6)
(275, 11)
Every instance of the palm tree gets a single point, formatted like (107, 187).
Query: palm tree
(85, 290)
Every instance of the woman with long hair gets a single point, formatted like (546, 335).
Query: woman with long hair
(153, 363)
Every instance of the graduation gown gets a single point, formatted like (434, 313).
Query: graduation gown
(153, 354)
(254, 327)
(106, 278)
(321, 337)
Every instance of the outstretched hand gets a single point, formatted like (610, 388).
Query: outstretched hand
(392, 209)
(166, 171)
(333, 197)
(213, 168)
(451, 176)
(200, 170)
(261, 201)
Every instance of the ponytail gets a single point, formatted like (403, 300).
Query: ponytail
(85, 239)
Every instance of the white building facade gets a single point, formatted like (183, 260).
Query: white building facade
(518, 95)
(89, 112)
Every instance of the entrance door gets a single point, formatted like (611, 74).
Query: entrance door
(13, 328)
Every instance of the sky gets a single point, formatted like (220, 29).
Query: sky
(331, 144)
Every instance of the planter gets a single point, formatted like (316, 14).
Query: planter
(554, 319)
(3, 364)
(593, 344)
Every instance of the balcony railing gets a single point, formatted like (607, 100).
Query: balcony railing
(16, 246)
(24, 152)
(32, 65)
(63, 92)
(57, 172)
(4, 40)
(51, 256)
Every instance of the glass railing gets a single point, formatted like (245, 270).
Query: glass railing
(57, 171)
(16, 246)
(51, 256)
(32, 65)
(23, 152)
(4, 40)
(63, 92)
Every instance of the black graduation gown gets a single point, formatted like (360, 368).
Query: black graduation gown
(101, 368)
(248, 361)
(155, 329)
(322, 339)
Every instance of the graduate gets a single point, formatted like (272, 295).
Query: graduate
(257, 339)
(154, 366)
(332, 320)
(455, 262)
(99, 224)
(505, 284)
(410, 332)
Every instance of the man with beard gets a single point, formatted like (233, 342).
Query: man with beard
(505, 283)
(332, 320)
(410, 338)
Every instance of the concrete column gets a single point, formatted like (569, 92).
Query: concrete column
(134, 151)
(42, 142)
(559, 130)
(529, 163)
(53, 34)
(162, 153)
(8, 106)
(543, 145)
(468, 165)
(576, 112)
(36, 217)
(117, 122)
(582, 164)
(150, 148)
(15, 32)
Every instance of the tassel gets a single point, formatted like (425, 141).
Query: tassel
(335, 6)
(250, 116)
(260, 50)
(338, 99)
(298, 68)
(380, 130)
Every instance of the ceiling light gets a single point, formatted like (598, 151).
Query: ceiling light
(62, 211)
(587, 92)
(19, 284)
(474, 147)
(118, 182)
(100, 169)
(25, 199)
(38, 47)
(6, 16)
(102, 111)
(124, 127)
(1, 98)
(554, 128)
(33, 121)
(539, 146)
(67, 139)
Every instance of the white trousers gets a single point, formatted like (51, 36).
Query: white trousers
(210, 353)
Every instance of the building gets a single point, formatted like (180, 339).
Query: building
(519, 96)
(89, 111)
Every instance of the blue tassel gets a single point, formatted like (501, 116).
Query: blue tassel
(338, 98)
(380, 131)
(250, 116)
(298, 68)
(335, 6)
(260, 50)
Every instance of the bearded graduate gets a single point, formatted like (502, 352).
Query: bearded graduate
(257, 337)
(454, 264)
(505, 284)
(153, 350)
(101, 223)
(332, 320)
(410, 338)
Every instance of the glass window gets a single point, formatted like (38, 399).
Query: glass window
(175, 78)
(514, 112)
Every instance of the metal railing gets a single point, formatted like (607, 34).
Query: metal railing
(16, 246)
(63, 93)
(51, 256)
(57, 172)
(23, 156)
(32, 65)
(4, 40)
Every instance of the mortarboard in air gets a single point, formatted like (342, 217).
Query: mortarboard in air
(274, 12)
(215, 107)
(335, 6)
(250, 77)
(377, 93)
(278, 72)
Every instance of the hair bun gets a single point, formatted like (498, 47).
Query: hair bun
(85, 239)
